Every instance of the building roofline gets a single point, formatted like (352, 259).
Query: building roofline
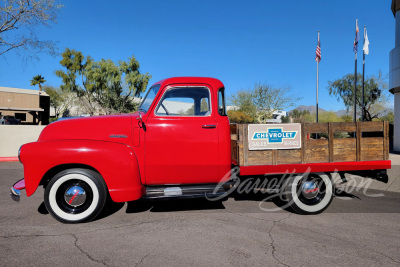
(22, 91)
(20, 109)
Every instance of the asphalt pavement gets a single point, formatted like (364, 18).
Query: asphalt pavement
(360, 228)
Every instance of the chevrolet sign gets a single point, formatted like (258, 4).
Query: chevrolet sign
(274, 136)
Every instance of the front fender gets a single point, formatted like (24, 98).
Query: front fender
(117, 164)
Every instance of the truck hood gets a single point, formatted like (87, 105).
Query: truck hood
(112, 128)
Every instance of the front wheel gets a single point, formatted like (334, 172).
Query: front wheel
(75, 195)
(309, 194)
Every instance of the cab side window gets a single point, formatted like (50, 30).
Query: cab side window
(221, 102)
(185, 101)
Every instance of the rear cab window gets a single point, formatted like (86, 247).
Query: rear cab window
(221, 102)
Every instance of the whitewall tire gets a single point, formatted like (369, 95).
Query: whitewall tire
(75, 195)
(310, 193)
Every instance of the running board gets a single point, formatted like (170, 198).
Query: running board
(186, 191)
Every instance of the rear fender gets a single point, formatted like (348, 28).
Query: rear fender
(117, 164)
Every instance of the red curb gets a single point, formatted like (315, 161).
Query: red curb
(8, 159)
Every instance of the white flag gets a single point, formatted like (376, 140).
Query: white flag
(366, 44)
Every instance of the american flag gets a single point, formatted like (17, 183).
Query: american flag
(356, 39)
(318, 51)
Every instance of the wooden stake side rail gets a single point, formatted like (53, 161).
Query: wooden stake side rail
(321, 150)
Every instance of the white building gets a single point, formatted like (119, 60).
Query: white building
(394, 75)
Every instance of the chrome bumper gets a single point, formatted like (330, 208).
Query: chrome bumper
(15, 191)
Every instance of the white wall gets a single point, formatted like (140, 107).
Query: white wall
(394, 82)
(12, 137)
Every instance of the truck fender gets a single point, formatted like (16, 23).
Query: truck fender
(116, 163)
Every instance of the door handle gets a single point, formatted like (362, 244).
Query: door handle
(209, 126)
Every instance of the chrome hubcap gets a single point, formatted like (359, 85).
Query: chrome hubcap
(309, 189)
(75, 196)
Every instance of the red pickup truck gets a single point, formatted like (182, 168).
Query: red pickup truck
(177, 145)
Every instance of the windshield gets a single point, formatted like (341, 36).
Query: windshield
(148, 99)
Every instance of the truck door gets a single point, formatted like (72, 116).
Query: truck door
(181, 138)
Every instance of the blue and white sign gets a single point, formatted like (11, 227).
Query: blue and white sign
(274, 136)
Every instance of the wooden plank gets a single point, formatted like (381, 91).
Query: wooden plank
(344, 149)
(372, 126)
(372, 148)
(260, 157)
(245, 144)
(386, 140)
(240, 132)
(344, 127)
(234, 150)
(289, 156)
(317, 151)
(274, 156)
(358, 142)
(330, 140)
(233, 128)
(316, 127)
(234, 137)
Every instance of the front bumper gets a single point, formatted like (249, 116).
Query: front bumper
(15, 191)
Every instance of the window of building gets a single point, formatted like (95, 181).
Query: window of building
(20, 116)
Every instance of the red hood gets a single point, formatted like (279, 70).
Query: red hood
(112, 128)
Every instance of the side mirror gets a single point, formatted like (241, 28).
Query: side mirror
(140, 121)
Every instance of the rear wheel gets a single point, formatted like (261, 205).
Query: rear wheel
(309, 194)
(75, 195)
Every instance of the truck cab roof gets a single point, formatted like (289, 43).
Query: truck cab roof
(215, 83)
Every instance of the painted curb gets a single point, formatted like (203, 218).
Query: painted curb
(8, 159)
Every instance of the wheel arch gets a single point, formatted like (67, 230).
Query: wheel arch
(62, 167)
(115, 162)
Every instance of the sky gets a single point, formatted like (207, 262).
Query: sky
(240, 43)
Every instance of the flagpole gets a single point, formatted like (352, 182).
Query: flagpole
(355, 79)
(317, 83)
(362, 111)
(355, 89)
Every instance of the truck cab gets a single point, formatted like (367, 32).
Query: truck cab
(176, 145)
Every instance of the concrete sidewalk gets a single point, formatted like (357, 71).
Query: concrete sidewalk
(394, 178)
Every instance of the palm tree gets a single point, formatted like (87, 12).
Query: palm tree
(38, 79)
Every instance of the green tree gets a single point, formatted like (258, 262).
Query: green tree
(38, 79)
(260, 102)
(301, 116)
(19, 20)
(59, 100)
(328, 116)
(285, 119)
(242, 101)
(74, 79)
(346, 118)
(236, 116)
(388, 117)
(104, 83)
(374, 97)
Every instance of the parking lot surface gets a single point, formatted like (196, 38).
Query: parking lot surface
(360, 228)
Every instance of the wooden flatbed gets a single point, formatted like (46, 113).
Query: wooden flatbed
(367, 148)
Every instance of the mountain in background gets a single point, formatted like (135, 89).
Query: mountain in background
(339, 113)
(312, 109)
